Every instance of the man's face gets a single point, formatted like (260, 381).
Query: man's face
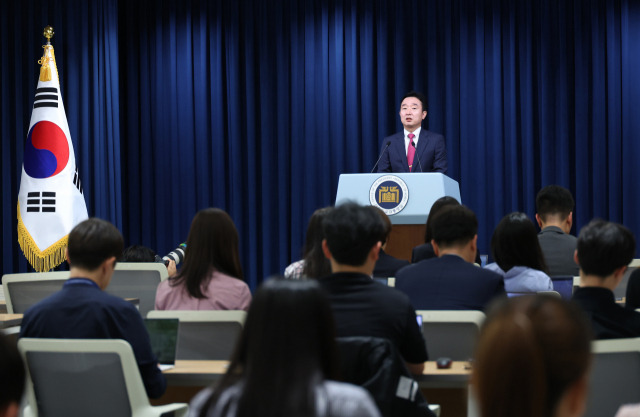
(411, 113)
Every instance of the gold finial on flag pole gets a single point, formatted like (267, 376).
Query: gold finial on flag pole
(48, 33)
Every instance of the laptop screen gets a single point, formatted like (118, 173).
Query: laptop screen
(563, 285)
(163, 334)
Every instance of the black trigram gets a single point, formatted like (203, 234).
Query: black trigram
(76, 180)
(45, 202)
(46, 97)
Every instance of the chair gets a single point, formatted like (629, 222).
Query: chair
(24, 290)
(451, 333)
(79, 377)
(205, 335)
(138, 280)
(615, 376)
(374, 364)
(620, 291)
(550, 293)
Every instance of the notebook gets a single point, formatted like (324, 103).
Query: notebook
(163, 334)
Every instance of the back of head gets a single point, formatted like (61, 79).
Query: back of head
(286, 348)
(12, 380)
(554, 200)
(604, 247)
(351, 231)
(92, 242)
(515, 243)
(387, 224)
(138, 253)
(213, 246)
(531, 349)
(454, 225)
(315, 264)
(438, 205)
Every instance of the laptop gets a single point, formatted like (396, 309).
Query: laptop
(163, 334)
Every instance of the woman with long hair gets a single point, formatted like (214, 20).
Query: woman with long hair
(532, 359)
(313, 263)
(518, 256)
(284, 361)
(211, 275)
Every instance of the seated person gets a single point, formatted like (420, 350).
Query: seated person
(518, 256)
(284, 361)
(632, 297)
(139, 253)
(425, 251)
(604, 250)
(387, 265)
(451, 281)
(554, 206)
(12, 382)
(211, 275)
(362, 307)
(82, 310)
(313, 263)
(532, 359)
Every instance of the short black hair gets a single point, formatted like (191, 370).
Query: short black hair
(604, 247)
(435, 208)
(93, 241)
(552, 200)
(417, 95)
(351, 231)
(138, 253)
(515, 243)
(12, 382)
(454, 225)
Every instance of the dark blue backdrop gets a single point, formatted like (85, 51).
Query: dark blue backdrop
(257, 107)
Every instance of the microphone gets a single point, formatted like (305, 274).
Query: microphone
(381, 153)
(414, 147)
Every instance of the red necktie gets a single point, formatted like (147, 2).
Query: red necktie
(411, 151)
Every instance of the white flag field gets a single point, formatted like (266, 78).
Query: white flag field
(51, 200)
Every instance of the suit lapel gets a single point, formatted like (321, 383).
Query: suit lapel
(401, 154)
(421, 151)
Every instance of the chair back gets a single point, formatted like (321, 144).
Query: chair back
(205, 335)
(451, 333)
(138, 280)
(23, 290)
(615, 376)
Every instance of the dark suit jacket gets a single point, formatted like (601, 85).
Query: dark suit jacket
(387, 265)
(558, 248)
(425, 251)
(608, 320)
(449, 283)
(431, 154)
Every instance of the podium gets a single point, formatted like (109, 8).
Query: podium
(405, 197)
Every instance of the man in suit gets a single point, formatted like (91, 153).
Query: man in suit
(361, 306)
(451, 281)
(554, 206)
(414, 149)
(82, 310)
(603, 252)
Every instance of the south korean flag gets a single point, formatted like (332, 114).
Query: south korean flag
(50, 201)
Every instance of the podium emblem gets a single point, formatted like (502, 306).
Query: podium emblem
(390, 193)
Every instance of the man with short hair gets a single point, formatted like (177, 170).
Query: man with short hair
(413, 149)
(82, 310)
(554, 206)
(451, 281)
(604, 250)
(361, 306)
(12, 378)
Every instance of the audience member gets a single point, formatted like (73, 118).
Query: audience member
(313, 263)
(425, 251)
(284, 361)
(139, 253)
(518, 257)
(211, 275)
(632, 296)
(603, 252)
(554, 205)
(12, 378)
(451, 281)
(362, 307)
(532, 359)
(82, 310)
(387, 265)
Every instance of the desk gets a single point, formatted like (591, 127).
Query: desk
(10, 320)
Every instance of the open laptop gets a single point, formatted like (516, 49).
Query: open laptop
(163, 334)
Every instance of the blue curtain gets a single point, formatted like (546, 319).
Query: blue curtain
(257, 107)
